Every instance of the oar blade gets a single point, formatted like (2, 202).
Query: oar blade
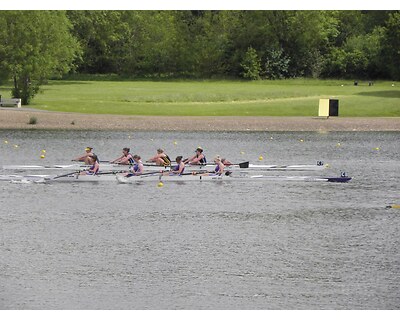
(244, 164)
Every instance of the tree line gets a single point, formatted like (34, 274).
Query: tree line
(37, 45)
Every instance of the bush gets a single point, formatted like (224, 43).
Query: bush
(251, 65)
(32, 120)
(276, 65)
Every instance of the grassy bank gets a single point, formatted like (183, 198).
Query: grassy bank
(298, 97)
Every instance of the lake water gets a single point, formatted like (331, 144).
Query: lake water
(204, 245)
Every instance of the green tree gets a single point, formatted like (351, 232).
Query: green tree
(251, 65)
(34, 45)
(391, 45)
(109, 39)
(276, 65)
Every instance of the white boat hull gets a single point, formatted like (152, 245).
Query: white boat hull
(104, 167)
(163, 178)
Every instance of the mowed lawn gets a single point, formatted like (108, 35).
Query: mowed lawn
(297, 97)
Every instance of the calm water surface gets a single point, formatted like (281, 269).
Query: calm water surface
(193, 245)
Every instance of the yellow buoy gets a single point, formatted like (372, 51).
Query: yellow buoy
(175, 143)
(338, 144)
(16, 146)
(301, 140)
(42, 156)
(377, 149)
(160, 184)
(260, 158)
(43, 151)
(5, 141)
(242, 152)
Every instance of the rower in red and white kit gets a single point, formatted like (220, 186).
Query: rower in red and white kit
(94, 169)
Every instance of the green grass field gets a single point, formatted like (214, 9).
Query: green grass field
(298, 97)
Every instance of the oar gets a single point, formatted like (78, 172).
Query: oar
(65, 175)
(111, 172)
(195, 173)
(160, 172)
(241, 164)
(225, 173)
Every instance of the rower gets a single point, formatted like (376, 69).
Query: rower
(161, 158)
(137, 168)
(226, 162)
(198, 158)
(94, 169)
(86, 158)
(126, 157)
(179, 168)
(218, 171)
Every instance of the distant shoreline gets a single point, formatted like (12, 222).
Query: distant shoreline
(11, 118)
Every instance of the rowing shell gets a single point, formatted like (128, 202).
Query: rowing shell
(177, 178)
(117, 167)
(165, 178)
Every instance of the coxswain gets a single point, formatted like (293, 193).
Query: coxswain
(137, 168)
(126, 158)
(94, 169)
(179, 168)
(198, 158)
(161, 158)
(86, 158)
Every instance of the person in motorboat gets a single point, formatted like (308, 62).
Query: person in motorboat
(161, 158)
(126, 158)
(198, 158)
(94, 169)
(179, 168)
(86, 158)
(137, 169)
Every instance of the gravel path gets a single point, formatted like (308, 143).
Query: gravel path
(13, 118)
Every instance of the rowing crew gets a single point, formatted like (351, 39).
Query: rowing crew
(138, 168)
(161, 159)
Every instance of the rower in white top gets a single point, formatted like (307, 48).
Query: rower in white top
(87, 157)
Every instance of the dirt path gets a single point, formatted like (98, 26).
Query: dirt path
(11, 118)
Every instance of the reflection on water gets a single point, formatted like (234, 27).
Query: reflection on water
(196, 245)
